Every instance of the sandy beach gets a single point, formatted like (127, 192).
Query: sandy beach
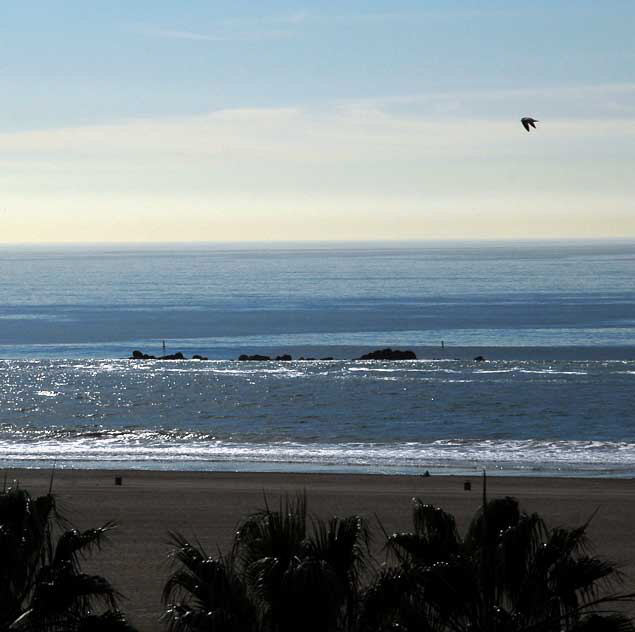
(207, 506)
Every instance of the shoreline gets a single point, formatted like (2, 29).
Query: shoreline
(208, 506)
(300, 469)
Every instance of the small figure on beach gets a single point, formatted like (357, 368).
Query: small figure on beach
(527, 121)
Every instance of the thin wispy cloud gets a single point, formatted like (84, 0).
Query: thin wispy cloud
(572, 100)
(557, 90)
(297, 17)
(291, 18)
(226, 33)
(280, 26)
(294, 18)
(332, 136)
(229, 29)
(409, 16)
(175, 34)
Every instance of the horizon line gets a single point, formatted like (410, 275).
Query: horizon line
(263, 242)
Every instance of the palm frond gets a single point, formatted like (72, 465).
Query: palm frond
(344, 543)
(434, 524)
(74, 544)
(269, 533)
(61, 588)
(110, 621)
(491, 520)
(204, 593)
(41, 584)
(395, 601)
(510, 573)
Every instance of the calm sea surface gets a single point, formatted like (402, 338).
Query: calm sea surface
(556, 322)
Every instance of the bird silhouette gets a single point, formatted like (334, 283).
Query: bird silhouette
(528, 121)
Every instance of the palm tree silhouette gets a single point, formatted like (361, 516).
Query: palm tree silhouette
(280, 576)
(205, 593)
(42, 587)
(510, 573)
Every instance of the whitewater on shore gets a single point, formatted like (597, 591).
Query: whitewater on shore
(535, 417)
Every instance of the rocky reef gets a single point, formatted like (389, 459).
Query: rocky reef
(139, 355)
(389, 354)
(379, 354)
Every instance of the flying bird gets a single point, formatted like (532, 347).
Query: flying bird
(527, 121)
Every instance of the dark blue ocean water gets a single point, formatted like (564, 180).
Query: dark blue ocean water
(556, 322)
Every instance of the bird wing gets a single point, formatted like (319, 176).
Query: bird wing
(532, 123)
(525, 124)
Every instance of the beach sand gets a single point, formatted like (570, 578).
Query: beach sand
(208, 506)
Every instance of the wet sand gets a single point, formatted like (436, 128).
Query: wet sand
(208, 506)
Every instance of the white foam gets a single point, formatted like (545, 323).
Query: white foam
(47, 393)
(145, 448)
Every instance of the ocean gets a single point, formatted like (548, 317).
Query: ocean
(555, 322)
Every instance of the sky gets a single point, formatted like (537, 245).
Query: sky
(219, 121)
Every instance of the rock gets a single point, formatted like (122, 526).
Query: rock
(389, 354)
(174, 356)
(139, 355)
(199, 357)
(327, 358)
(479, 359)
(263, 358)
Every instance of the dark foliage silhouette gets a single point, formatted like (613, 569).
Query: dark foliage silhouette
(42, 587)
(285, 572)
(205, 593)
(510, 573)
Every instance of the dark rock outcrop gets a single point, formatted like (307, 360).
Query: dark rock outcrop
(139, 355)
(263, 358)
(174, 356)
(389, 354)
(479, 358)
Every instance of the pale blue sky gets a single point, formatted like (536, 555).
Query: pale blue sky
(199, 120)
